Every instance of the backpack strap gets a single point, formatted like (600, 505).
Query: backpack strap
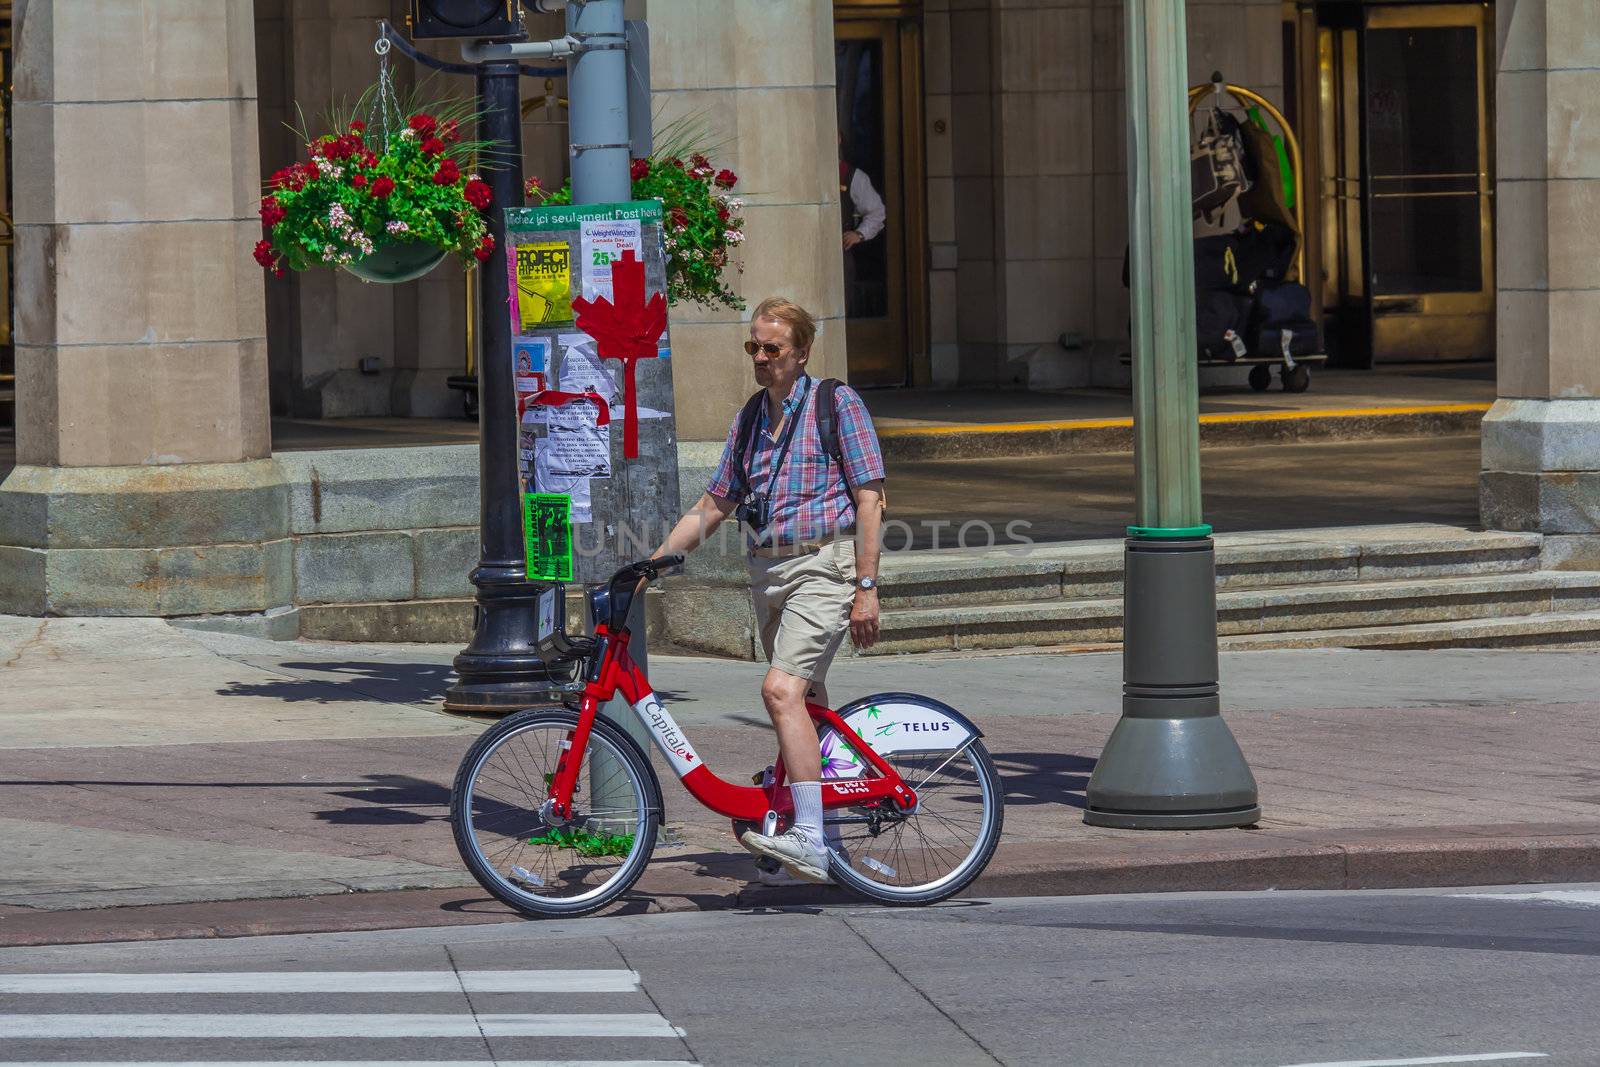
(828, 431)
(741, 443)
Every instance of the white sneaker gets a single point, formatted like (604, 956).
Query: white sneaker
(792, 849)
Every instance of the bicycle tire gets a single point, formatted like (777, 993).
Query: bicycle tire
(465, 826)
(845, 862)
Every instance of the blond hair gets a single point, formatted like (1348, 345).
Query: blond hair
(802, 326)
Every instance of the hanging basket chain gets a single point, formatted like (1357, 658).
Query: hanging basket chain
(384, 114)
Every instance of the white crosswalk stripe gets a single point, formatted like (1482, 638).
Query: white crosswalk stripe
(385, 1024)
(201, 990)
(328, 982)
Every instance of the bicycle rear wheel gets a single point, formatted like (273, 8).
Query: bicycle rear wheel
(528, 859)
(939, 848)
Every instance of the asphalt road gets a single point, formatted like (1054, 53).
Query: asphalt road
(1195, 980)
(1256, 487)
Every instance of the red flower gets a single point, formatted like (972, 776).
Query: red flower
(357, 127)
(485, 248)
(675, 162)
(432, 146)
(477, 193)
(370, 159)
(423, 124)
(271, 213)
(450, 132)
(447, 174)
(726, 178)
(279, 178)
(700, 161)
(639, 169)
(263, 254)
(358, 181)
(382, 187)
(722, 213)
(530, 187)
(679, 218)
(315, 148)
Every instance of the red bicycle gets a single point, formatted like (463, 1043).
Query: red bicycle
(555, 811)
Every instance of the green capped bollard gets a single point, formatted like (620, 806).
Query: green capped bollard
(1171, 763)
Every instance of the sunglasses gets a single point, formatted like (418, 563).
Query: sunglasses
(752, 347)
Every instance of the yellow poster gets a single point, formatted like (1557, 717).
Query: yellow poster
(544, 285)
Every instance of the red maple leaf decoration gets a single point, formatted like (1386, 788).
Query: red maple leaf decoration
(626, 328)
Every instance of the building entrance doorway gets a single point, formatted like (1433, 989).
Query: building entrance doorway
(1404, 118)
(878, 79)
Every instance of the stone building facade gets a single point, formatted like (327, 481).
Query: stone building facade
(150, 351)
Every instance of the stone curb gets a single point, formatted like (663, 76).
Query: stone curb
(904, 443)
(1315, 860)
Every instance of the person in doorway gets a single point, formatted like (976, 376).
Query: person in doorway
(813, 537)
(861, 208)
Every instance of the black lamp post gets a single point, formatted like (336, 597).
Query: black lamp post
(500, 669)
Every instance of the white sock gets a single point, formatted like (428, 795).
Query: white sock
(807, 798)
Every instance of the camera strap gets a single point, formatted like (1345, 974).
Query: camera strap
(781, 452)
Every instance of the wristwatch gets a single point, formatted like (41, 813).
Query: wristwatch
(866, 583)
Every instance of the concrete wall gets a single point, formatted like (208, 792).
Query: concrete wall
(1027, 192)
(1541, 440)
(142, 485)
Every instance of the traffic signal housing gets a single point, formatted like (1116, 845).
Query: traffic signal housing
(434, 19)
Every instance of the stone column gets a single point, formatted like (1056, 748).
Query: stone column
(1541, 440)
(144, 483)
(760, 75)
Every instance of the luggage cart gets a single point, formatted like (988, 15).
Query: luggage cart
(1294, 371)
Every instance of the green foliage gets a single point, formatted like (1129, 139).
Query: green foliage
(701, 221)
(408, 180)
(585, 842)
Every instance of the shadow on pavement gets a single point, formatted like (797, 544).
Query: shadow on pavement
(1044, 777)
(332, 683)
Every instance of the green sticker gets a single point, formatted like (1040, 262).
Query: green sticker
(547, 529)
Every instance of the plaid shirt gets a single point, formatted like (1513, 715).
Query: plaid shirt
(809, 499)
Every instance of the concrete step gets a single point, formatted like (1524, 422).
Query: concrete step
(1093, 569)
(1562, 629)
(1319, 606)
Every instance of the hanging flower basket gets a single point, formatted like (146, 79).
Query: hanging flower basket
(701, 222)
(386, 199)
(393, 262)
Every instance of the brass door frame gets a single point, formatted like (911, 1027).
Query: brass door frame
(1441, 322)
(896, 25)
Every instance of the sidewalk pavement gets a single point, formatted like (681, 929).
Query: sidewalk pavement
(161, 773)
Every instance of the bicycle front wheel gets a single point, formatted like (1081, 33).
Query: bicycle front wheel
(518, 851)
(936, 850)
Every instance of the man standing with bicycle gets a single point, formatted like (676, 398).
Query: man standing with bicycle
(803, 471)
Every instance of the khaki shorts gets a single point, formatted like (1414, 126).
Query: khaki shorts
(802, 606)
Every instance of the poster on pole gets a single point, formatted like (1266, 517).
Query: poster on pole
(547, 529)
(594, 376)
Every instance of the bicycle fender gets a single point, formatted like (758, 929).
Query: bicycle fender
(908, 722)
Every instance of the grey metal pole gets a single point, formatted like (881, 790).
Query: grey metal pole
(597, 110)
(598, 134)
(1171, 762)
